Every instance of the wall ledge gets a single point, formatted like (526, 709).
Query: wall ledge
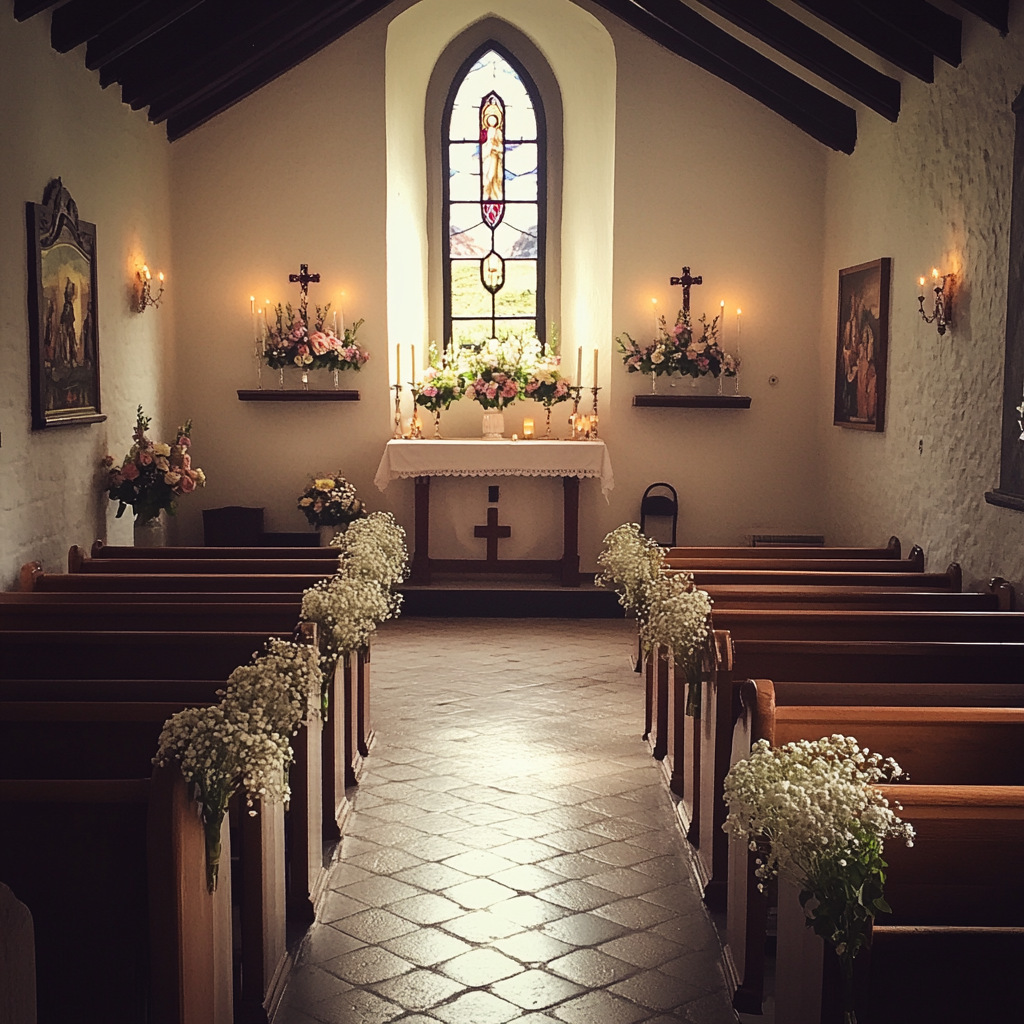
(1005, 500)
(691, 401)
(312, 395)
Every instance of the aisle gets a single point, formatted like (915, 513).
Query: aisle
(512, 856)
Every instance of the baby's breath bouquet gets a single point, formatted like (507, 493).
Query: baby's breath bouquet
(815, 806)
(629, 564)
(243, 742)
(373, 549)
(678, 617)
(330, 501)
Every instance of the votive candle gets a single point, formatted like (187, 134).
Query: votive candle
(527, 429)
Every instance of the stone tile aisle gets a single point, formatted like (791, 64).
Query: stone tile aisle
(512, 855)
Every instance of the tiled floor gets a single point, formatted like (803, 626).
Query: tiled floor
(512, 855)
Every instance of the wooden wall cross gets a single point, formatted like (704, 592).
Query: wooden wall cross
(304, 279)
(492, 531)
(686, 281)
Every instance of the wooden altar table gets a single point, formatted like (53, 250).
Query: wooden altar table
(571, 460)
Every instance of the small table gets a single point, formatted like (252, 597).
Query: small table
(571, 460)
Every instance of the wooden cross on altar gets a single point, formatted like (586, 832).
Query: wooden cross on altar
(304, 279)
(686, 281)
(492, 531)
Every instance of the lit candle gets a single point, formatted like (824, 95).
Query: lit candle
(739, 313)
(657, 326)
(935, 274)
(413, 364)
(398, 364)
(342, 305)
(335, 323)
(253, 317)
(595, 367)
(527, 429)
(579, 366)
(721, 322)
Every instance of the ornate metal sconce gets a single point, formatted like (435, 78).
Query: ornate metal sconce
(942, 314)
(144, 296)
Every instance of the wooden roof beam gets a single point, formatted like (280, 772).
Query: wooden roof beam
(870, 31)
(146, 20)
(313, 38)
(995, 12)
(25, 9)
(819, 55)
(922, 22)
(687, 34)
(78, 21)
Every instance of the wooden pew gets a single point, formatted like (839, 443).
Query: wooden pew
(78, 562)
(891, 550)
(867, 663)
(125, 927)
(881, 565)
(326, 554)
(950, 580)
(35, 580)
(937, 746)
(958, 907)
(999, 596)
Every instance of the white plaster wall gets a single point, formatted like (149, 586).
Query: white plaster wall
(56, 121)
(933, 190)
(703, 175)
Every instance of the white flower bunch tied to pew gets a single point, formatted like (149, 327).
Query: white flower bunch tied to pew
(629, 564)
(374, 549)
(244, 742)
(678, 617)
(813, 812)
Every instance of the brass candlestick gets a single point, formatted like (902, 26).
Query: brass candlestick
(577, 391)
(592, 434)
(415, 426)
(397, 435)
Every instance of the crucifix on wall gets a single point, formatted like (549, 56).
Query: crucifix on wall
(304, 279)
(687, 282)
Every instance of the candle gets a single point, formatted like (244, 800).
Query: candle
(253, 318)
(721, 321)
(579, 366)
(413, 364)
(739, 313)
(527, 429)
(342, 305)
(595, 367)
(657, 325)
(335, 323)
(398, 365)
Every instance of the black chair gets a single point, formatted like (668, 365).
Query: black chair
(233, 527)
(660, 505)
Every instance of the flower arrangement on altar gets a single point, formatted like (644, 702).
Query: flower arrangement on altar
(244, 741)
(330, 501)
(679, 349)
(153, 474)
(442, 384)
(496, 375)
(813, 812)
(292, 339)
(547, 385)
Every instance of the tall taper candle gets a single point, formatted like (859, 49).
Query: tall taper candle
(595, 367)
(414, 364)
(579, 367)
(398, 364)
(739, 313)
(721, 323)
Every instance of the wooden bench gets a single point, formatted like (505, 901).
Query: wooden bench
(762, 564)
(35, 580)
(326, 554)
(989, 751)
(891, 550)
(958, 908)
(78, 562)
(950, 580)
(999, 596)
(115, 877)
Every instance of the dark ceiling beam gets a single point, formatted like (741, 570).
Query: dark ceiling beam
(150, 18)
(813, 51)
(25, 9)
(685, 33)
(876, 35)
(78, 21)
(313, 37)
(922, 22)
(201, 45)
(995, 12)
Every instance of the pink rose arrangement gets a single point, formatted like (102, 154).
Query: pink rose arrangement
(152, 474)
(293, 339)
(547, 385)
(679, 349)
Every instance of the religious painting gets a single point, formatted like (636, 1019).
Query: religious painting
(862, 342)
(493, 169)
(62, 312)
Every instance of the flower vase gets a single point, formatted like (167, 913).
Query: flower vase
(654, 383)
(327, 534)
(150, 533)
(493, 425)
(437, 424)
(547, 425)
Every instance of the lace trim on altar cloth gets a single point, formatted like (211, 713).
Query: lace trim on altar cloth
(410, 474)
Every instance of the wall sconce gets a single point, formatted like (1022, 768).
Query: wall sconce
(144, 296)
(942, 314)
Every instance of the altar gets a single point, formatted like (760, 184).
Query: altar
(570, 460)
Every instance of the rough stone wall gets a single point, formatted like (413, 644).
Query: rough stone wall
(932, 190)
(56, 121)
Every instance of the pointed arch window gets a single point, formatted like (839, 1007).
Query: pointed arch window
(493, 175)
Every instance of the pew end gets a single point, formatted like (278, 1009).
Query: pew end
(29, 575)
(17, 960)
(956, 577)
(76, 558)
(1005, 593)
(893, 547)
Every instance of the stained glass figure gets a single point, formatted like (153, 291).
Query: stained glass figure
(494, 189)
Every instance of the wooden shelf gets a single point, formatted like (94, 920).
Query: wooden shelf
(312, 395)
(692, 401)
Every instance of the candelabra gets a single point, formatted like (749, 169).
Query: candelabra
(592, 433)
(942, 313)
(397, 435)
(415, 426)
(576, 392)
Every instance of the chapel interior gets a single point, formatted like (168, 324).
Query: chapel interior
(525, 821)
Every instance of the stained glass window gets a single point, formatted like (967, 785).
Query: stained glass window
(493, 171)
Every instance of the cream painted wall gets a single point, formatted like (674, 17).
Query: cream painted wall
(56, 121)
(931, 191)
(702, 174)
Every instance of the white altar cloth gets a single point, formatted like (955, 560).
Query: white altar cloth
(466, 457)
